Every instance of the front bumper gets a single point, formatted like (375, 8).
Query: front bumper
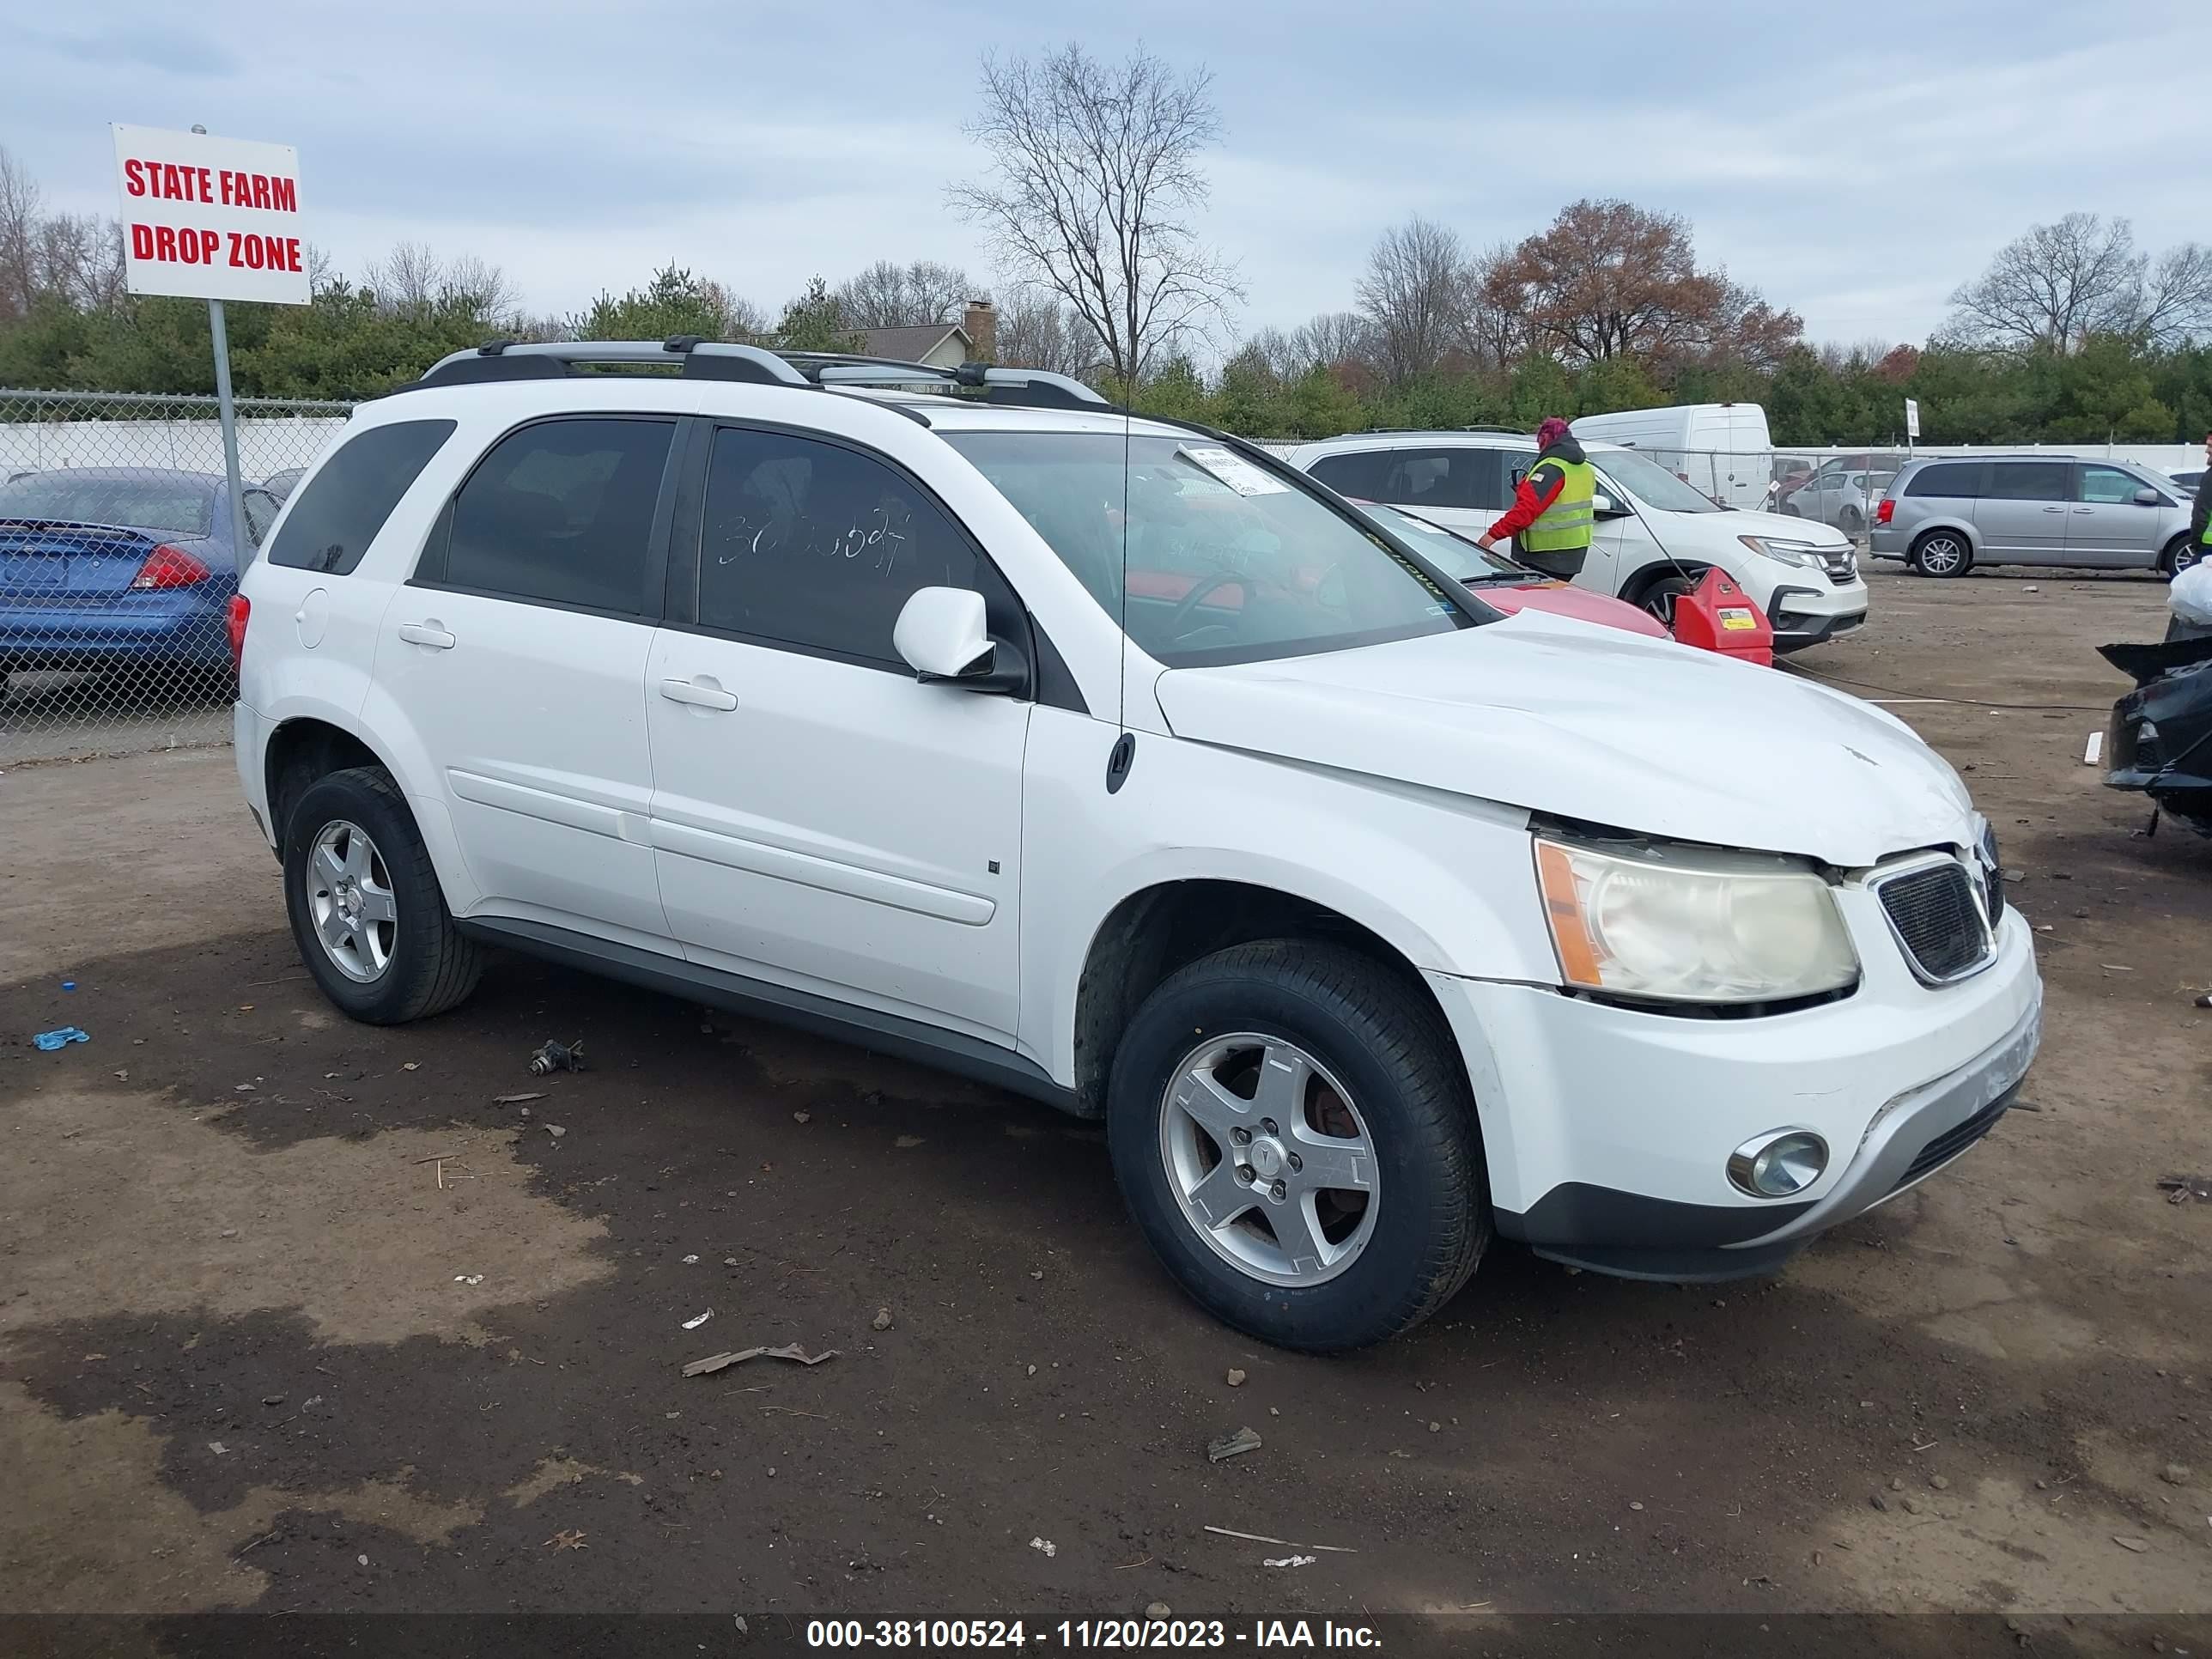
(1607, 1130)
(1807, 615)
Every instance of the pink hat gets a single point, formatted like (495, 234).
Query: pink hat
(1550, 431)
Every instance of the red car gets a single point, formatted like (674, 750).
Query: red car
(1506, 586)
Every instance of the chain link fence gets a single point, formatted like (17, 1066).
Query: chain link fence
(118, 557)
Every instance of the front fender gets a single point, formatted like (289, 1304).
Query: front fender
(1447, 882)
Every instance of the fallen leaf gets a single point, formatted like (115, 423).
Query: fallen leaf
(2129, 1541)
(571, 1540)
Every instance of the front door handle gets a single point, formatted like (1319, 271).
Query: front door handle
(2084, 509)
(698, 696)
(427, 633)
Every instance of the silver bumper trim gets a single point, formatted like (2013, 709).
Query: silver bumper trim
(1901, 1132)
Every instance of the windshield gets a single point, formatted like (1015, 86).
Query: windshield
(1448, 550)
(1651, 484)
(1226, 561)
(179, 506)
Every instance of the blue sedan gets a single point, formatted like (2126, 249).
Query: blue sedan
(105, 567)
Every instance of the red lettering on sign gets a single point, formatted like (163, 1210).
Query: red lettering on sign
(142, 242)
(228, 183)
(283, 195)
(291, 253)
(165, 242)
(261, 190)
(210, 240)
(134, 180)
(206, 193)
(172, 184)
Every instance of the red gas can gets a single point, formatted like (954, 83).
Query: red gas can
(1718, 615)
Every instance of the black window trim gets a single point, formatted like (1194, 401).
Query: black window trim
(1049, 681)
(429, 570)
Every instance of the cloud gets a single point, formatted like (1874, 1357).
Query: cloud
(1856, 167)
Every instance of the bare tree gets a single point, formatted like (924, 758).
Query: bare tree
(1278, 351)
(1094, 184)
(19, 238)
(1336, 337)
(1037, 329)
(1494, 322)
(889, 295)
(413, 277)
(2055, 285)
(1415, 294)
(2176, 308)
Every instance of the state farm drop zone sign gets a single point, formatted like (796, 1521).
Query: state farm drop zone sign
(208, 218)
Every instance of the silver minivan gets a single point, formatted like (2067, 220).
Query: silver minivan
(1944, 515)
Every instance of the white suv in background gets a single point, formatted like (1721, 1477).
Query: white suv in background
(1654, 537)
(1114, 762)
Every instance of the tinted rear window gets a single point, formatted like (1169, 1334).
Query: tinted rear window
(1954, 479)
(562, 512)
(2028, 480)
(337, 516)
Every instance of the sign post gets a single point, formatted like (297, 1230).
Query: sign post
(1911, 424)
(212, 219)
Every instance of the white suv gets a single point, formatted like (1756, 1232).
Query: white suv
(1114, 762)
(1655, 536)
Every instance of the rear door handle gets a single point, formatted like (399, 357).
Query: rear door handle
(2054, 509)
(427, 633)
(698, 696)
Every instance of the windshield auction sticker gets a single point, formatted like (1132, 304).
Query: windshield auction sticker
(1239, 474)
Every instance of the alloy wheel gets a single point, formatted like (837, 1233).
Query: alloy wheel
(1268, 1158)
(350, 902)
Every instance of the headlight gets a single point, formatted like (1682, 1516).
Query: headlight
(1804, 553)
(1690, 925)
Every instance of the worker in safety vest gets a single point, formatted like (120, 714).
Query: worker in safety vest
(2200, 515)
(1550, 518)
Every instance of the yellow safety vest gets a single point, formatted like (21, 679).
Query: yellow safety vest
(1564, 526)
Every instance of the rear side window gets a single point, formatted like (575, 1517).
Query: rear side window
(562, 513)
(1459, 477)
(2028, 480)
(1359, 475)
(811, 545)
(1957, 479)
(337, 516)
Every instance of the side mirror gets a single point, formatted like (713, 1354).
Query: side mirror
(1602, 506)
(2147, 497)
(944, 635)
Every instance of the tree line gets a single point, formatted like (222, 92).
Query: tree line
(1091, 185)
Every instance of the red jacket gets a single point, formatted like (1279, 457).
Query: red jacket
(1538, 490)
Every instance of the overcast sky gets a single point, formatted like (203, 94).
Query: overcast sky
(1854, 162)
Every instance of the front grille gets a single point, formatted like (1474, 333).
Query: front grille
(1955, 1141)
(1840, 567)
(1933, 911)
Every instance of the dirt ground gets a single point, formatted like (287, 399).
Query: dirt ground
(296, 1314)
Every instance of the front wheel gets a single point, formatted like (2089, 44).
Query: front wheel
(2180, 554)
(1661, 598)
(366, 908)
(1292, 1130)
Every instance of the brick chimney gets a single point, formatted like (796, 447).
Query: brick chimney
(982, 323)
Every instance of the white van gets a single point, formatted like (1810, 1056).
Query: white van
(1722, 449)
(1655, 535)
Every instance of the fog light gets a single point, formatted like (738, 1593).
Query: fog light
(1777, 1165)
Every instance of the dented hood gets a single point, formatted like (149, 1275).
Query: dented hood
(1561, 717)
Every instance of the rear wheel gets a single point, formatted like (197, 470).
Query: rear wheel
(1850, 522)
(1292, 1131)
(1940, 553)
(2180, 554)
(366, 908)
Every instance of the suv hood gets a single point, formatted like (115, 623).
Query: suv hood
(1561, 717)
(1730, 525)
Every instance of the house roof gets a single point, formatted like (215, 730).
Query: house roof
(912, 344)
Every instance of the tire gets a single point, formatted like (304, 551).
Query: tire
(1381, 1062)
(2180, 554)
(1940, 553)
(355, 866)
(1850, 523)
(1658, 599)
